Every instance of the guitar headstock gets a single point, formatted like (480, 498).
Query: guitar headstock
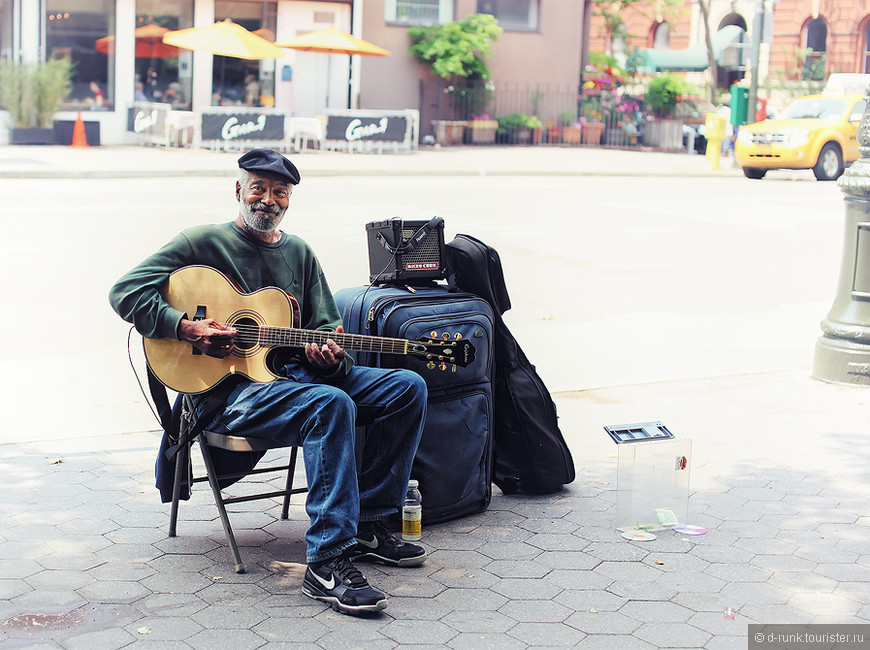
(440, 352)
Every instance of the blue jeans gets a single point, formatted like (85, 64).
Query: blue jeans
(351, 477)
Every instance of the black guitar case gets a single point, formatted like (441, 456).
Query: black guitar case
(530, 454)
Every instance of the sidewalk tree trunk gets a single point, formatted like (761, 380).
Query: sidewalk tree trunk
(711, 58)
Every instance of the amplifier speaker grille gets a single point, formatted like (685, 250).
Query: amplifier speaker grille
(390, 263)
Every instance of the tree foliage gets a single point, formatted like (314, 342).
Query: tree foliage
(458, 49)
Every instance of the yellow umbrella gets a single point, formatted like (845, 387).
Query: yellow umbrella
(225, 38)
(334, 41)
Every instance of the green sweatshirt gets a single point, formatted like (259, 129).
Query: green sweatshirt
(289, 264)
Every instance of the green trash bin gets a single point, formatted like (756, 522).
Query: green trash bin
(739, 105)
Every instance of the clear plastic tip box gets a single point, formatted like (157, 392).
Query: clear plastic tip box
(652, 477)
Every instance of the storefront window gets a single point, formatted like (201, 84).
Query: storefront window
(239, 82)
(6, 30)
(72, 29)
(163, 73)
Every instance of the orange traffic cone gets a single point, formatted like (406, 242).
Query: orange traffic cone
(79, 138)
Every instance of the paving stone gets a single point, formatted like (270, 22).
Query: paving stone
(10, 568)
(617, 551)
(417, 632)
(236, 639)
(611, 641)
(717, 623)
(170, 605)
(180, 563)
(590, 600)
(138, 553)
(754, 593)
(458, 577)
(739, 572)
(602, 622)
(103, 639)
(669, 562)
(509, 551)
(476, 641)
(844, 572)
(629, 571)
(470, 599)
(556, 542)
(642, 590)
(829, 604)
(168, 628)
(59, 580)
(525, 569)
(421, 609)
(547, 634)
(673, 635)
(655, 611)
(535, 611)
(306, 630)
(48, 602)
(526, 589)
(478, 622)
(183, 583)
(722, 554)
(121, 571)
(783, 563)
(548, 526)
(13, 587)
(113, 591)
(573, 579)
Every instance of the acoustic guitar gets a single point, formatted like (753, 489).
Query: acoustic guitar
(264, 320)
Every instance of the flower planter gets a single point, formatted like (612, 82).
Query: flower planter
(665, 134)
(448, 132)
(482, 131)
(31, 136)
(591, 132)
(571, 134)
(521, 136)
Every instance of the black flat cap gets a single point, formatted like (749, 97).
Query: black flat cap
(267, 160)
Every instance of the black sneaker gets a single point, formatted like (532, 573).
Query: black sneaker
(340, 584)
(375, 542)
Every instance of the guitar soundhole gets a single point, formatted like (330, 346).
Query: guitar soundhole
(248, 334)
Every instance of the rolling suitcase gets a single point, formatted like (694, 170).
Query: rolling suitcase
(454, 459)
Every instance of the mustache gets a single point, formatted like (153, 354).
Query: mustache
(264, 208)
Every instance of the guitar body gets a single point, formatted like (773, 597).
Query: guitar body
(201, 291)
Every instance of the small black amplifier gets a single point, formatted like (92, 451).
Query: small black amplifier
(406, 252)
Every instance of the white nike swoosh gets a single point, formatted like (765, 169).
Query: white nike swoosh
(371, 544)
(329, 585)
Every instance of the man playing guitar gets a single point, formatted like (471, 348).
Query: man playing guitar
(318, 397)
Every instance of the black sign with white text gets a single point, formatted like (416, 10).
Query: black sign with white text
(364, 129)
(242, 126)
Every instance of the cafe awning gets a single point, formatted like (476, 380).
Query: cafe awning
(693, 59)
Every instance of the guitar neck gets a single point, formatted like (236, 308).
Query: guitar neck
(296, 338)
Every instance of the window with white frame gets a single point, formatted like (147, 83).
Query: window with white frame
(418, 12)
(514, 15)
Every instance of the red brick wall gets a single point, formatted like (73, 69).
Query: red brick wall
(845, 20)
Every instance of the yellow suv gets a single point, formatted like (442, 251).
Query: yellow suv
(815, 132)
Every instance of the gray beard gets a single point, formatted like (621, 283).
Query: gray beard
(265, 223)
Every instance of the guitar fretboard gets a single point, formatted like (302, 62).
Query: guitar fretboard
(296, 338)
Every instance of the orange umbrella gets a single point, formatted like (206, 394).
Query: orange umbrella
(224, 38)
(334, 41)
(149, 43)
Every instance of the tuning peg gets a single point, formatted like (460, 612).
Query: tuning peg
(442, 367)
(430, 365)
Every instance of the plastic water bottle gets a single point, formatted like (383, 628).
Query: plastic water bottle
(412, 513)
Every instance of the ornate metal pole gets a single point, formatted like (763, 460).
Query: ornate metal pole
(843, 351)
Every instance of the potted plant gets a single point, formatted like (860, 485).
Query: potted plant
(569, 127)
(482, 129)
(33, 93)
(517, 128)
(662, 96)
(456, 53)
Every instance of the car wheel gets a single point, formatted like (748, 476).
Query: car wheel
(830, 164)
(754, 172)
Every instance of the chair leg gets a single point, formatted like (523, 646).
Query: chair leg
(219, 502)
(289, 485)
(180, 469)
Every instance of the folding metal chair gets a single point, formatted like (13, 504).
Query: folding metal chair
(209, 440)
